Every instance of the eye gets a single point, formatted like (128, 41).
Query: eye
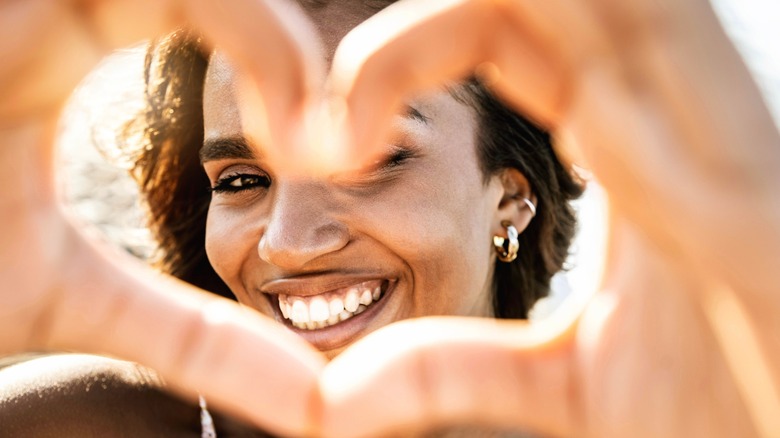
(394, 158)
(386, 168)
(239, 182)
(397, 157)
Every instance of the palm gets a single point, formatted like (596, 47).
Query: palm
(33, 242)
(649, 366)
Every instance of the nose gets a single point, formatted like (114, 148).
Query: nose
(302, 226)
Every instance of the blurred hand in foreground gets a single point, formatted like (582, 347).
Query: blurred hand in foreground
(60, 291)
(651, 95)
(681, 339)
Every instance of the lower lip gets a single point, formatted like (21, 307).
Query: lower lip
(344, 332)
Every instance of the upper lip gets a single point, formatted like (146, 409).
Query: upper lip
(316, 284)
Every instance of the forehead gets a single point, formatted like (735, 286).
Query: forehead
(438, 112)
(333, 19)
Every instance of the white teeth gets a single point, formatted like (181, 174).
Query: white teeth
(336, 306)
(318, 310)
(365, 297)
(315, 312)
(284, 307)
(352, 301)
(300, 312)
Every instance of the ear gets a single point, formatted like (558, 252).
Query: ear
(518, 203)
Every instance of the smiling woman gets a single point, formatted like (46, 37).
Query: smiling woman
(331, 257)
(337, 257)
(463, 210)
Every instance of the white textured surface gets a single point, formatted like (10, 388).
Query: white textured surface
(94, 178)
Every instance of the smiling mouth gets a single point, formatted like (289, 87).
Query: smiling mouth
(330, 308)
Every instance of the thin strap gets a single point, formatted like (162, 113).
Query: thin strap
(206, 423)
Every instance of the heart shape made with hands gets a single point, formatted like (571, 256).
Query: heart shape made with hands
(643, 357)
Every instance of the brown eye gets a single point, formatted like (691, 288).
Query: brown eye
(241, 182)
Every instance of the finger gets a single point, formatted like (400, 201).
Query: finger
(271, 42)
(421, 374)
(278, 52)
(270, 39)
(518, 46)
(45, 53)
(239, 360)
(275, 48)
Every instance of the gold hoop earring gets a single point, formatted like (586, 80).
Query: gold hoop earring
(507, 247)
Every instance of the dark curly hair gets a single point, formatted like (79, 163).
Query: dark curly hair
(175, 187)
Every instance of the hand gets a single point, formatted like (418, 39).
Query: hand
(655, 99)
(665, 70)
(565, 378)
(62, 292)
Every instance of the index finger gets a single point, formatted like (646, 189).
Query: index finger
(271, 41)
(57, 43)
(412, 46)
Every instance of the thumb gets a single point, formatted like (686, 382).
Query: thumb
(425, 373)
(241, 361)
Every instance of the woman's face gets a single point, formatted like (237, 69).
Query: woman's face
(335, 258)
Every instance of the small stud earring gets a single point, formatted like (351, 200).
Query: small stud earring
(507, 247)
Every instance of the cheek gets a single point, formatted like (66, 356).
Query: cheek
(228, 243)
(452, 263)
(442, 234)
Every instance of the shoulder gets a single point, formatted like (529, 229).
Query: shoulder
(81, 395)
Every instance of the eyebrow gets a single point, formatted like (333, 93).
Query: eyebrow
(239, 148)
(235, 147)
(412, 113)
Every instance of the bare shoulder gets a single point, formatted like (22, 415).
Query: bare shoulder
(77, 395)
(66, 395)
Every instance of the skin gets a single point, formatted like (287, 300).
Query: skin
(425, 224)
(659, 110)
(643, 88)
(133, 314)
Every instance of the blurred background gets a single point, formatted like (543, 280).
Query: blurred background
(96, 185)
